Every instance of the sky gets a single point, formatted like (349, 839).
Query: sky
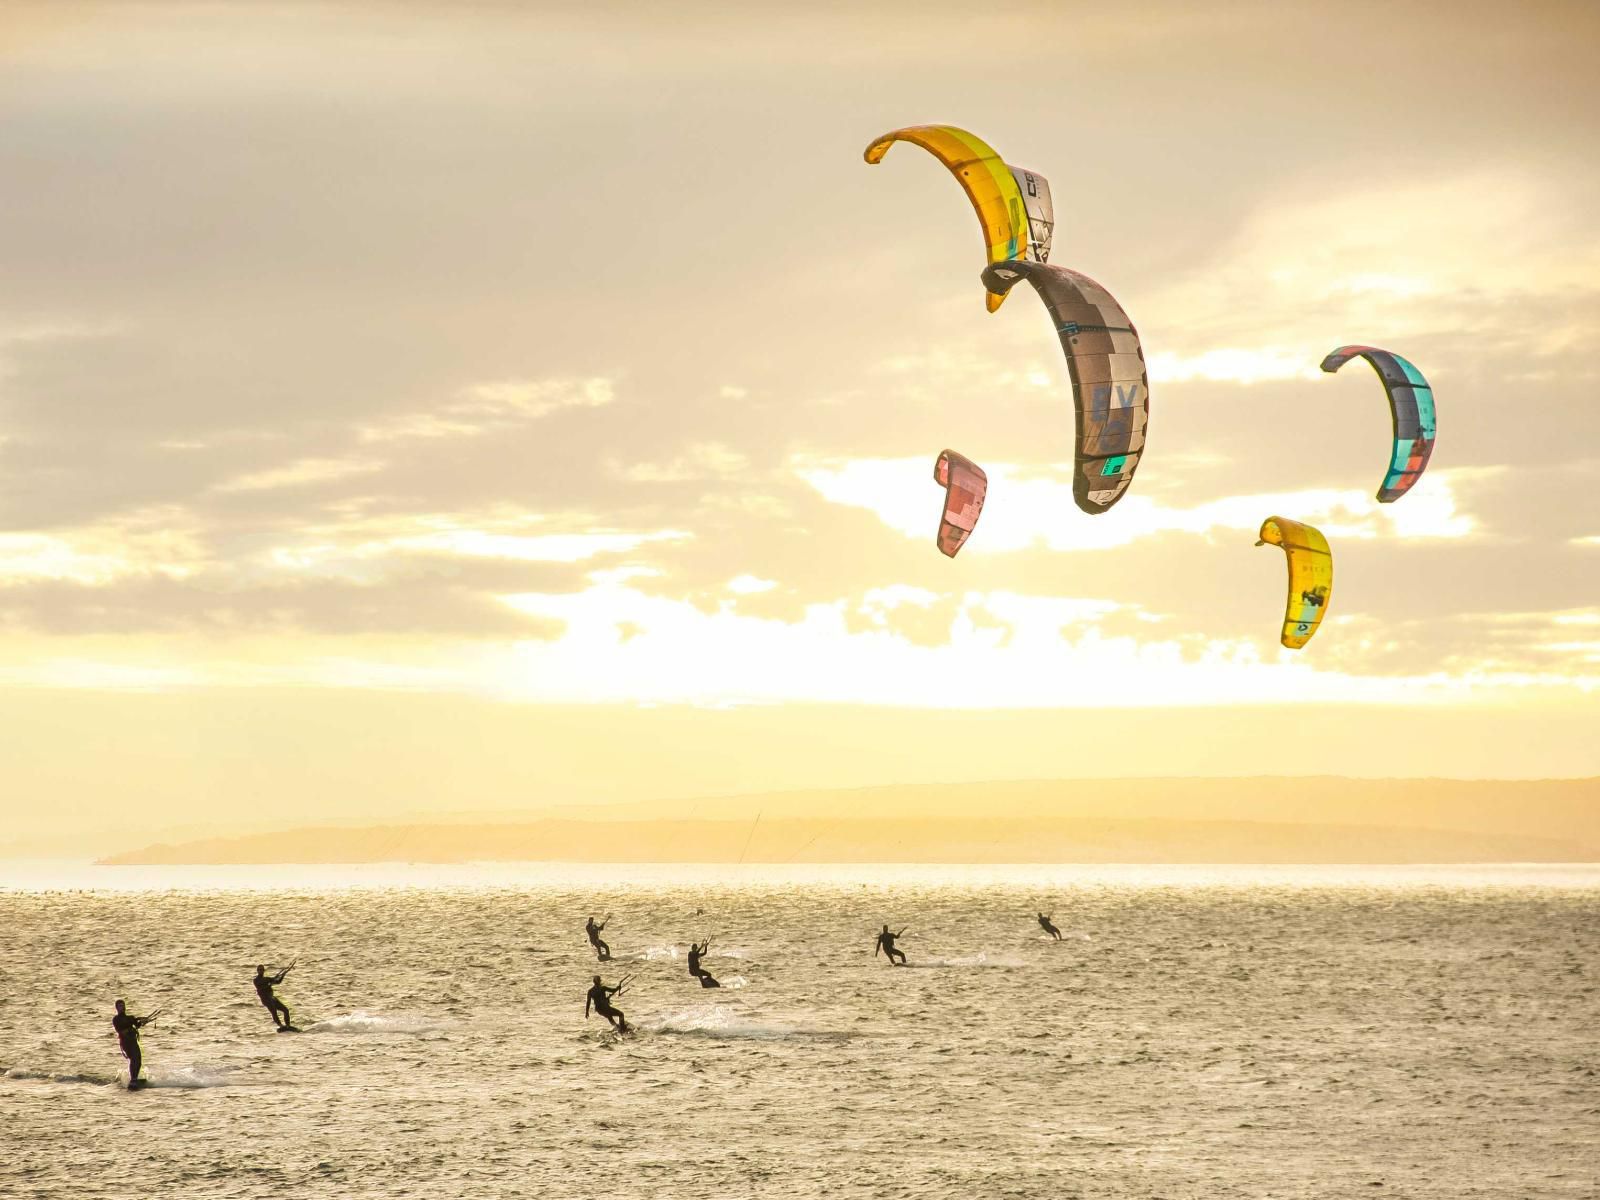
(458, 407)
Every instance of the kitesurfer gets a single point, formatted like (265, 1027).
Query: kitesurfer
(1044, 924)
(599, 998)
(886, 942)
(602, 951)
(696, 949)
(264, 985)
(127, 1027)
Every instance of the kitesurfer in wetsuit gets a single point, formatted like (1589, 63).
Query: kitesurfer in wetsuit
(264, 985)
(602, 951)
(600, 998)
(886, 942)
(696, 949)
(1044, 924)
(127, 1027)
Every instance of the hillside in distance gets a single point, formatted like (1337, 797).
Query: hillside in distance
(1265, 820)
(1560, 808)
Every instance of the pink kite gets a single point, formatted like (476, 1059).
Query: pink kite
(964, 485)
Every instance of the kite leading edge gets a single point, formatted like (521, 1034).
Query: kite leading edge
(1013, 205)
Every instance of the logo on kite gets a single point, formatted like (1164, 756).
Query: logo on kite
(965, 486)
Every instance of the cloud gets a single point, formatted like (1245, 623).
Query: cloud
(362, 547)
(1401, 257)
(998, 651)
(896, 646)
(699, 461)
(1230, 366)
(150, 543)
(1026, 510)
(300, 473)
(485, 408)
(750, 585)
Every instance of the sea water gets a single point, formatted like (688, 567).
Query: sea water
(1197, 1032)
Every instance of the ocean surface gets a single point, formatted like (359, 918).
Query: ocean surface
(1199, 1032)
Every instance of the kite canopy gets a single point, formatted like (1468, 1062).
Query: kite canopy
(1411, 405)
(965, 486)
(1310, 576)
(1110, 390)
(1013, 205)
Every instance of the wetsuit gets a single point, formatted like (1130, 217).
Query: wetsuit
(1044, 923)
(600, 997)
(127, 1028)
(886, 944)
(695, 969)
(602, 951)
(264, 985)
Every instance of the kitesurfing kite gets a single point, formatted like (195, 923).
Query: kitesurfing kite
(1110, 390)
(1411, 405)
(1310, 576)
(964, 485)
(1013, 205)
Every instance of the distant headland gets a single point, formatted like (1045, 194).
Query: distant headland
(1246, 820)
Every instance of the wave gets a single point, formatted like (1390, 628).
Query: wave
(975, 960)
(23, 1073)
(365, 1022)
(200, 1076)
(655, 953)
(728, 981)
(190, 1077)
(670, 953)
(722, 1021)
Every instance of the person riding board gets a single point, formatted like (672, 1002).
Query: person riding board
(1044, 923)
(599, 997)
(127, 1026)
(886, 941)
(696, 949)
(264, 985)
(602, 951)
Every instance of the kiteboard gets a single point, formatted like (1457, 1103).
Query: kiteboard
(135, 1085)
(290, 1029)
